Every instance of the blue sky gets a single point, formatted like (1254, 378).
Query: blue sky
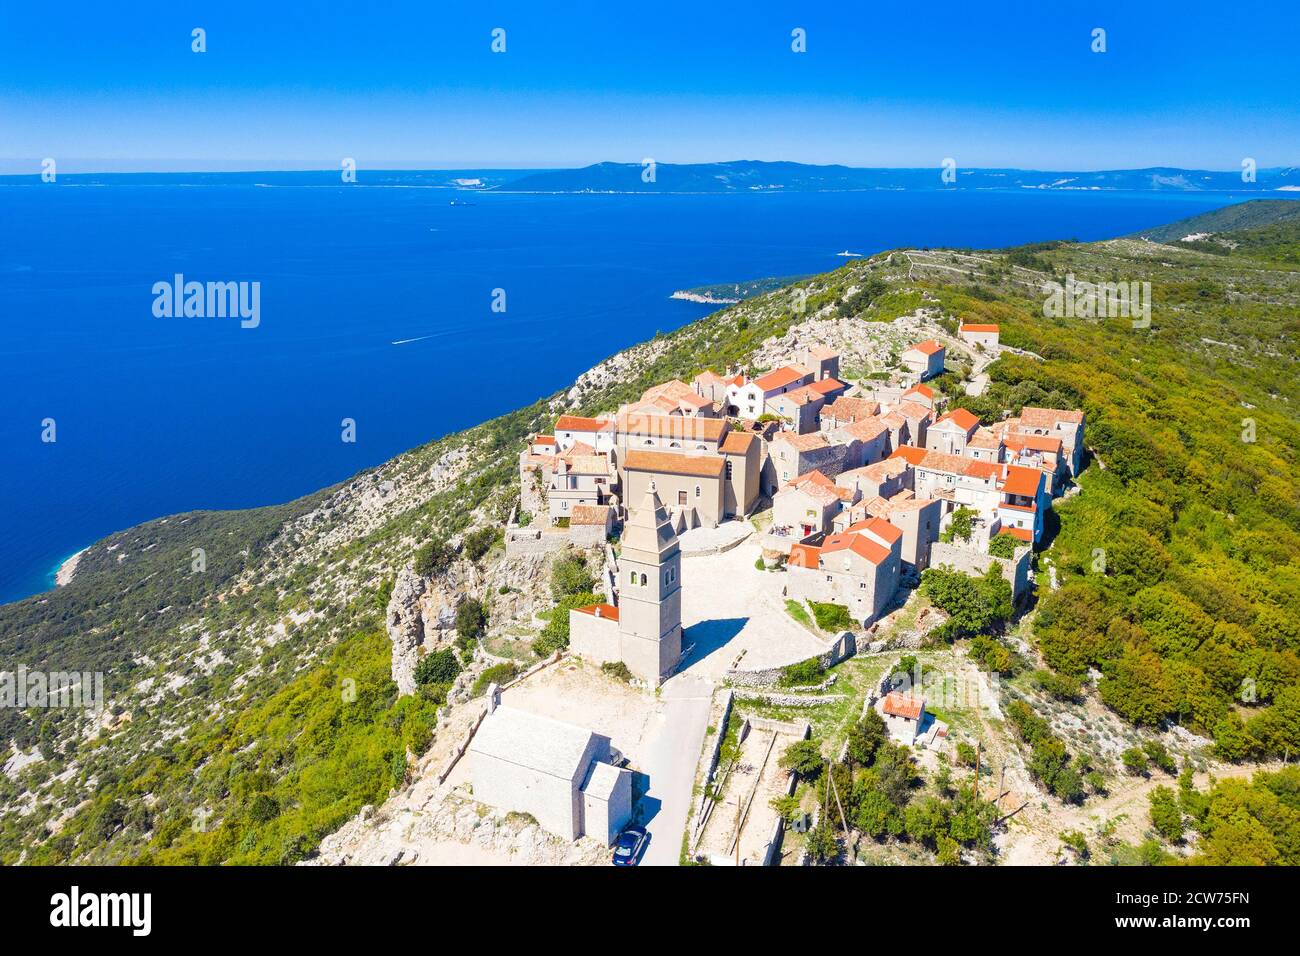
(115, 85)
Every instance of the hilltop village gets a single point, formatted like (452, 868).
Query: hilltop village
(854, 485)
(724, 515)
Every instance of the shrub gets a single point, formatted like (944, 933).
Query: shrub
(1003, 545)
(803, 674)
(832, 617)
(433, 558)
(496, 674)
(961, 526)
(556, 633)
(1159, 755)
(480, 542)
(440, 667)
(569, 575)
(617, 670)
(1135, 761)
(1061, 686)
(1166, 817)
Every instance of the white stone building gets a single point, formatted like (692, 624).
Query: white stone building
(557, 772)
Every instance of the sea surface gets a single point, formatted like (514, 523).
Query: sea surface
(160, 415)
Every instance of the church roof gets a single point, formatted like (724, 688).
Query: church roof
(539, 743)
(647, 527)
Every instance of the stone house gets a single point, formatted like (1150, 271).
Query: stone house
(985, 334)
(924, 359)
(596, 432)
(579, 480)
(557, 772)
(951, 433)
(692, 486)
(791, 455)
(904, 716)
(858, 569)
(808, 504)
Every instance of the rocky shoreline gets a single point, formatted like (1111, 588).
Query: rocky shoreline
(63, 576)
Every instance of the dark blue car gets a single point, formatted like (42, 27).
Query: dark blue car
(628, 846)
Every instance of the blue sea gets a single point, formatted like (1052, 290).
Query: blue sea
(159, 415)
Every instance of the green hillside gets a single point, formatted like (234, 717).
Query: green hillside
(1247, 215)
(226, 688)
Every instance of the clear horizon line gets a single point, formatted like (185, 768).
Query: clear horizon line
(23, 165)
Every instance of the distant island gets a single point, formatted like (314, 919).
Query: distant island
(729, 293)
(755, 176)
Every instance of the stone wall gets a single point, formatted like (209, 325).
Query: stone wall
(975, 561)
(842, 648)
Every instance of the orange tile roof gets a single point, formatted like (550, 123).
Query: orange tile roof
(928, 347)
(543, 440)
(1034, 442)
(829, 491)
(673, 426)
(903, 705)
(960, 417)
(574, 423)
(863, 547)
(865, 430)
(737, 443)
(822, 386)
(803, 556)
(672, 463)
(879, 527)
(785, 375)
(925, 390)
(912, 410)
(1022, 481)
(911, 454)
(810, 442)
(978, 327)
(607, 611)
(589, 514)
(845, 408)
(1048, 417)
(1024, 534)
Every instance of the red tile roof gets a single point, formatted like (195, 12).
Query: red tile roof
(825, 385)
(977, 327)
(879, 527)
(573, 423)
(904, 705)
(925, 390)
(928, 347)
(911, 454)
(543, 440)
(803, 556)
(687, 428)
(600, 610)
(960, 417)
(780, 377)
(737, 443)
(1024, 534)
(1022, 481)
(863, 547)
(668, 462)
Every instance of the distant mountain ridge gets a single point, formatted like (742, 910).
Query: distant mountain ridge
(757, 176)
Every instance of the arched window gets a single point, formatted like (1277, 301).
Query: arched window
(643, 580)
(631, 578)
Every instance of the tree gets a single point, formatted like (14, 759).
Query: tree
(821, 842)
(440, 667)
(471, 619)
(1166, 816)
(804, 758)
(480, 542)
(927, 820)
(433, 558)
(1003, 545)
(569, 575)
(877, 815)
(865, 738)
(962, 525)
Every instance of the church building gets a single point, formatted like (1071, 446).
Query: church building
(645, 630)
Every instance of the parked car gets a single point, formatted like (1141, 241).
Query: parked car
(629, 845)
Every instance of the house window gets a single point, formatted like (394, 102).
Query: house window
(643, 580)
(829, 578)
(681, 497)
(631, 578)
(697, 491)
(728, 468)
(863, 585)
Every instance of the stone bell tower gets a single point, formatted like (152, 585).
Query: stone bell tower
(650, 593)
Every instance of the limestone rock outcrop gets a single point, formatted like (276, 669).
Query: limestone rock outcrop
(406, 627)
